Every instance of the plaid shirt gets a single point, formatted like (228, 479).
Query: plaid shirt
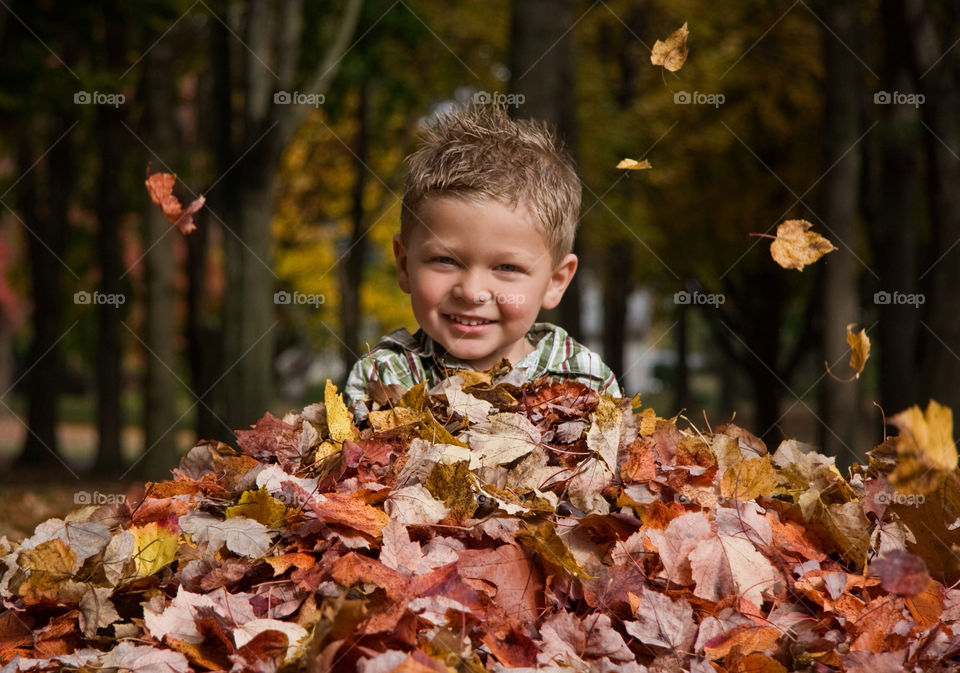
(408, 359)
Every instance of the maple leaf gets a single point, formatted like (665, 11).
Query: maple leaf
(795, 246)
(160, 188)
(672, 52)
(145, 659)
(260, 506)
(501, 438)
(663, 622)
(724, 565)
(154, 546)
(242, 536)
(901, 573)
(925, 448)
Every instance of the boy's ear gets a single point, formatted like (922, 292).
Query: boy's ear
(559, 280)
(403, 278)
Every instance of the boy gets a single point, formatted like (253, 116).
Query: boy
(489, 214)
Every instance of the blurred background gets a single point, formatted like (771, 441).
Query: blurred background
(123, 341)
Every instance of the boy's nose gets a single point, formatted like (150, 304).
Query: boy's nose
(472, 290)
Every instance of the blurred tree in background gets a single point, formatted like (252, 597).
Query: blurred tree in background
(293, 120)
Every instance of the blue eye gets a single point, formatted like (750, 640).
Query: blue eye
(444, 260)
(509, 268)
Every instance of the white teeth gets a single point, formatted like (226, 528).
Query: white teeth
(469, 322)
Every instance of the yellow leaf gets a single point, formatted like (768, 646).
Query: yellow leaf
(260, 506)
(672, 52)
(387, 419)
(634, 165)
(54, 557)
(751, 479)
(648, 422)
(323, 451)
(339, 421)
(925, 448)
(154, 546)
(859, 348)
(796, 247)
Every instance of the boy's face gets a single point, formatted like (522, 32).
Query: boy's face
(477, 274)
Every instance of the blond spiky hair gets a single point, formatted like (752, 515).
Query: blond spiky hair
(479, 152)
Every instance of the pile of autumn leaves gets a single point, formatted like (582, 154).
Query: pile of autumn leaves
(485, 527)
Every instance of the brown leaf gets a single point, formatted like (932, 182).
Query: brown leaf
(901, 573)
(796, 247)
(672, 52)
(160, 187)
(859, 348)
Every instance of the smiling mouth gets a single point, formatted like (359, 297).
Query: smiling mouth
(472, 322)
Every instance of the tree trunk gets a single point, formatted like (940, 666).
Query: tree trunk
(112, 137)
(615, 293)
(543, 71)
(941, 275)
(268, 124)
(681, 379)
(351, 269)
(898, 219)
(46, 243)
(842, 129)
(160, 385)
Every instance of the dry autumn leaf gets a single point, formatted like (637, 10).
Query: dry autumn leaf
(160, 188)
(795, 246)
(859, 349)
(925, 448)
(634, 165)
(588, 537)
(672, 52)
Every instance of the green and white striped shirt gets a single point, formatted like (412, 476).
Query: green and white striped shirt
(408, 359)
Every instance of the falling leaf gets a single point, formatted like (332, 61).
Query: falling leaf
(671, 53)
(634, 165)
(795, 246)
(160, 187)
(859, 348)
(930, 433)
